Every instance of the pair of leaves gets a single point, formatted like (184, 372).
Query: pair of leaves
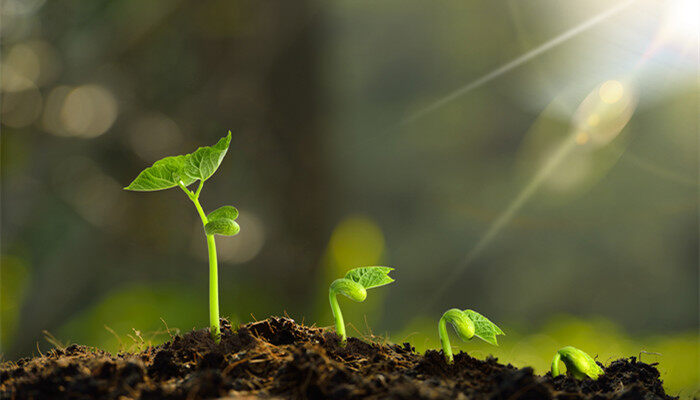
(484, 329)
(169, 171)
(370, 277)
(222, 221)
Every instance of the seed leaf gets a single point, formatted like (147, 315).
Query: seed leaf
(222, 226)
(483, 328)
(579, 363)
(370, 277)
(163, 174)
(206, 160)
(461, 322)
(229, 212)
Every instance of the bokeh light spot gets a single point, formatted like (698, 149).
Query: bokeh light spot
(611, 91)
(153, 135)
(593, 120)
(88, 111)
(605, 112)
(244, 246)
(582, 138)
(356, 241)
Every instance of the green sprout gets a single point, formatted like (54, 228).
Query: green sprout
(354, 285)
(467, 324)
(579, 364)
(182, 171)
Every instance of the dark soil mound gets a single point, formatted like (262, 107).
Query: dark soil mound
(277, 358)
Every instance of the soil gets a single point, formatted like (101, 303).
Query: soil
(280, 359)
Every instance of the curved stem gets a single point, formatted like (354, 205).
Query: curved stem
(555, 365)
(338, 316)
(445, 340)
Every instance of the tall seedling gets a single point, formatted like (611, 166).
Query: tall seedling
(183, 171)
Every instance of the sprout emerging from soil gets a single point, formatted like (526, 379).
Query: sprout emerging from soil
(354, 286)
(467, 324)
(579, 364)
(182, 171)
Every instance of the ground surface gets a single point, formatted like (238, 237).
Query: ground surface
(277, 358)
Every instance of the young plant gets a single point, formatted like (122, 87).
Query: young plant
(579, 364)
(183, 171)
(467, 324)
(354, 285)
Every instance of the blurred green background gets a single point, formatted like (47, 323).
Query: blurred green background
(536, 161)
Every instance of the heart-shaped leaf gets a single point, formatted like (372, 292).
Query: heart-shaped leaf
(222, 226)
(188, 168)
(483, 328)
(370, 277)
(163, 174)
(229, 212)
(206, 160)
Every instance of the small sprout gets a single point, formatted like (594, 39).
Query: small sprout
(182, 171)
(467, 324)
(354, 286)
(579, 364)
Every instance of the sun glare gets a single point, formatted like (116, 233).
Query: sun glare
(682, 21)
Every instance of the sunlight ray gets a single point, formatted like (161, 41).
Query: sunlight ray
(504, 217)
(584, 26)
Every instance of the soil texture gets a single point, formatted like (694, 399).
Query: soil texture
(280, 359)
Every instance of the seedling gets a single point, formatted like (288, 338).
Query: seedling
(579, 364)
(467, 324)
(183, 171)
(354, 285)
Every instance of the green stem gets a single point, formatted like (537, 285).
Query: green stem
(555, 365)
(213, 291)
(338, 316)
(445, 340)
(213, 267)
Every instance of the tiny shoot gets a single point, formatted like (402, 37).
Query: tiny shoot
(467, 324)
(183, 171)
(578, 364)
(354, 285)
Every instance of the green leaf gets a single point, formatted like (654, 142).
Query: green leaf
(370, 277)
(163, 174)
(228, 212)
(206, 160)
(483, 328)
(222, 226)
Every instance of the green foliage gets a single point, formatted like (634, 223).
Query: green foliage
(484, 329)
(163, 174)
(349, 289)
(354, 285)
(370, 277)
(579, 364)
(467, 324)
(170, 171)
(222, 221)
(206, 160)
(228, 212)
(183, 171)
(222, 226)
(461, 323)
